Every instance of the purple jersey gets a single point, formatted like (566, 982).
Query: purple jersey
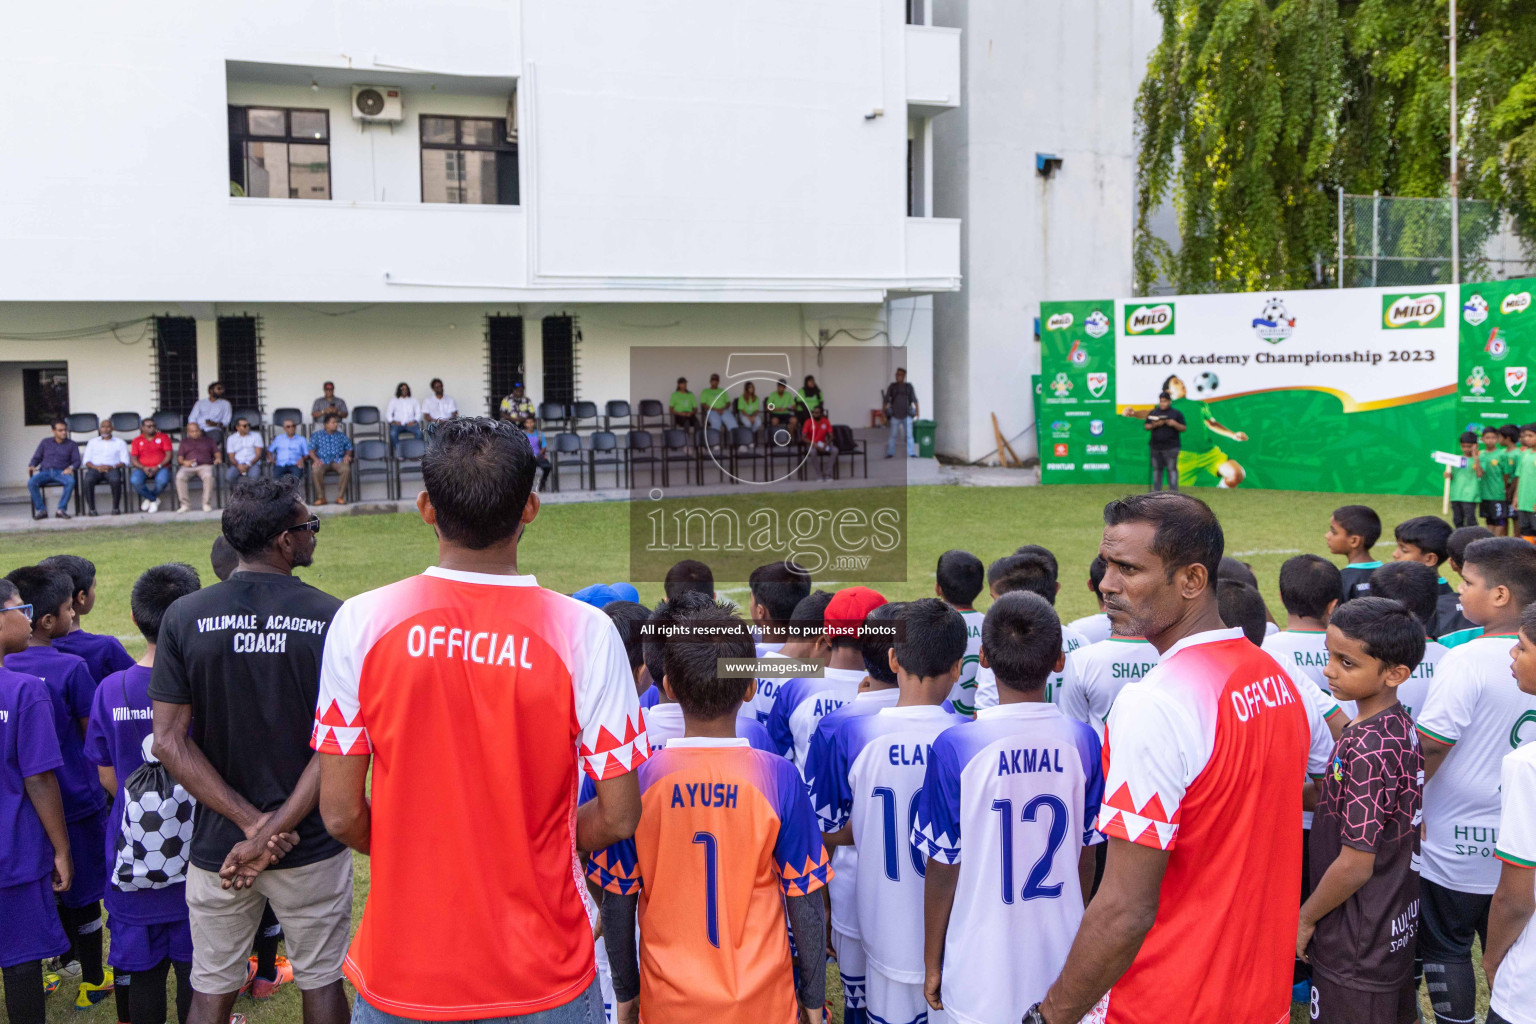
(103, 654)
(28, 746)
(121, 723)
(71, 689)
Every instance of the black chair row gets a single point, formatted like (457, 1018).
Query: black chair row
(740, 456)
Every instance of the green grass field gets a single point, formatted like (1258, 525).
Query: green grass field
(570, 546)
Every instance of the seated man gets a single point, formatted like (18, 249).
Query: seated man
(328, 403)
(288, 452)
(212, 413)
(719, 411)
(331, 452)
(244, 450)
(105, 458)
(438, 407)
(780, 405)
(517, 406)
(55, 462)
(199, 454)
(150, 459)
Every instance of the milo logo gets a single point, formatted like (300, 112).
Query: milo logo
(1156, 319)
(1519, 302)
(1400, 311)
(1060, 321)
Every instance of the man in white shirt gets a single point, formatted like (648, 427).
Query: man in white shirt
(244, 448)
(403, 415)
(437, 407)
(105, 458)
(213, 413)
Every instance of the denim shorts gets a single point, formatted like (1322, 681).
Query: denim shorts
(586, 1008)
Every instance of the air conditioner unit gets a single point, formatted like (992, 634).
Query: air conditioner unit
(376, 103)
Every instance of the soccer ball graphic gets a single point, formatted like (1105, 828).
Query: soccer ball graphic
(1207, 383)
(158, 842)
(1275, 312)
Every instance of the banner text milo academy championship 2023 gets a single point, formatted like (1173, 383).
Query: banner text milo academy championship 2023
(1327, 390)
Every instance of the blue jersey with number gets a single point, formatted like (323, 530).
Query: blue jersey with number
(1012, 798)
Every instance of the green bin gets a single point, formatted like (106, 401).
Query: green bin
(922, 433)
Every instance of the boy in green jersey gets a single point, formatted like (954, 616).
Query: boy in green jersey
(1466, 483)
(1493, 491)
(1525, 490)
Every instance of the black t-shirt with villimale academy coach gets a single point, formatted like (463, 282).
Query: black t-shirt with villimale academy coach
(246, 655)
(1164, 438)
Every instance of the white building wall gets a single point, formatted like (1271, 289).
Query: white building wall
(1039, 77)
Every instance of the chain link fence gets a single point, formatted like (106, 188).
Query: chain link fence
(1387, 241)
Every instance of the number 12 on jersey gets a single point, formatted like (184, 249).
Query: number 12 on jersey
(1034, 886)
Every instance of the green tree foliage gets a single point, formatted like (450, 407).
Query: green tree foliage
(1254, 112)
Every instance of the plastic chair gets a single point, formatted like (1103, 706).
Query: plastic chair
(290, 413)
(846, 445)
(584, 416)
(711, 453)
(553, 414)
(674, 449)
(614, 411)
(565, 450)
(125, 422)
(254, 415)
(650, 409)
(82, 423)
(605, 452)
(366, 416)
(408, 455)
(169, 422)
(370, 458)
(642, 451)
(746, 438)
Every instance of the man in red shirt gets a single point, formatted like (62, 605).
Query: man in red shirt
(1204, 766)
(478, 696)
(150, 457)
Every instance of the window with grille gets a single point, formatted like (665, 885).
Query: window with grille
(176, 387)
(504, 357)
(560, 336)
(468, 160)
(240, 360)
(278, 153)
(44, 394)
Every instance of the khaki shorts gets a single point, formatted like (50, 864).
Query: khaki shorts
(313, 903)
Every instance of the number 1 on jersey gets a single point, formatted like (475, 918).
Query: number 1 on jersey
(1034, 886)
(887, 798)
(711, 884)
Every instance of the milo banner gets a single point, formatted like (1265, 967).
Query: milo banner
(1498, 351)
(1326, 390)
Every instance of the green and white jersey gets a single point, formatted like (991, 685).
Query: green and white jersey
(1093, 627)
(1301, 653)
(963, 697)
(1412, 693)
(1473, 704)
(1514, 989)
(1098, 672)
(1055, 683)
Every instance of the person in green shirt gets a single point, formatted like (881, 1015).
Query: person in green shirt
(1466, 483)
(1200, 452)
(1525, 490)
(810, 398)
(718, 412)
(749, 409)
(684, 405)
(1493, 481)
(780, 404)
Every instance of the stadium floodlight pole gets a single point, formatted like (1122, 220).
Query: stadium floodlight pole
(1455, 191)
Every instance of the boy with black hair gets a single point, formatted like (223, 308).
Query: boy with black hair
(987, 782)
(1462, 628)
(1466, 482)
(1525, 486)
(223, 557)
(150, 930)
(878, 691)
(35, 858)
(722, 828)
(1044, 552)
(1094, 627)
(1352, 531)
(71, 688)
(103, 654)
(776, 588)
(627, 617)
(1241, 606)
(1509, 955)
(1310, 586)
(1493, 483)
(874, 767)
(1031, 569)
(811, 644)
(1465, 729)
(802, 703)
(689, 575)
(1415, 586)
(960, 577)
(1357, 925)
(1427, 539)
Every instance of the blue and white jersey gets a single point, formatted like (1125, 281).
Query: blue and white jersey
(664, 723)
(1017, 792)
(1055, 683)
(962, 699)
(761, 704)
(845, 859)
(801, 703)
(872, 779)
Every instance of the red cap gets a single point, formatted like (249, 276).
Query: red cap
(849, 608)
